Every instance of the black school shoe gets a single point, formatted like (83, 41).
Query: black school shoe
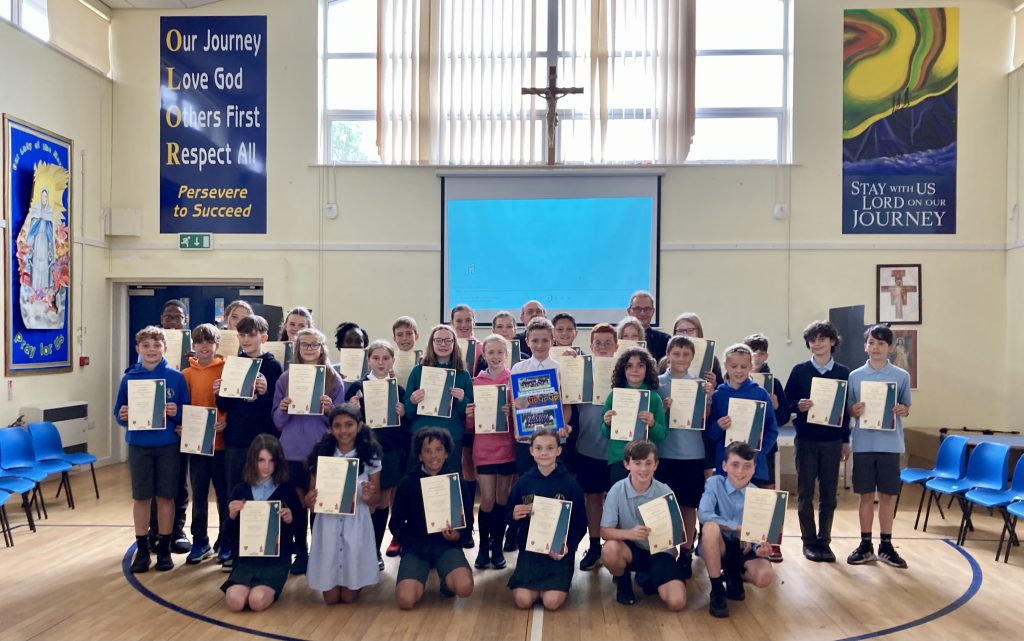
(718, 607)
(141, 562)
(590, 559)
(825, 553)
(624, 589)
(685, 564)
(812, 552)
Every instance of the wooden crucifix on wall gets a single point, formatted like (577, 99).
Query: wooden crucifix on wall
(551, 94)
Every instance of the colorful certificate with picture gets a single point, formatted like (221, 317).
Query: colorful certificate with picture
(283, 351)
(549, 525)
(488, 401)
(437, 384)
(665, 519)
(336, 485)
(627, 403)
(198, 427)
(537, 401)
(689, 404)
(238, 378)
(259, 529)
(879, 400)
(828, 398)
(380, 403)
(703, 356)
(305, 387)
(442, 502)
(577, 379)
(764, 512)
(147, 404)
(747, 422)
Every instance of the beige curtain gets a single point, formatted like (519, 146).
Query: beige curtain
(451, 74)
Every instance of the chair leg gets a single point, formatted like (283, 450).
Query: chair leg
(26, 503)
(59, 487)
(95, 485)
(928, 512)
(69, 493)
(920, 504)
(5, 523)
(1002, 533)
(1013, 535)
(966, 507)
(37, 495)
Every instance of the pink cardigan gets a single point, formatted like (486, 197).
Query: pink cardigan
(492, 449)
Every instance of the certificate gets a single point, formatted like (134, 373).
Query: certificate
(829, 400)
(662, 515)
(198, 426)
(352, 363)
(487, 415)
(514, 354)
(625, 343)
(560, 352)
(238, 379)
(689, 404)
(283, 351)
(442, 502)
(437, 384)
(537, 401)
(147, 401)
(703, 356)
(549, 525)
(336, 485)
(577, 379)
(305, 387)
(747, 422)
(404, 362)
(228, 345)
(602, 367)
(879, 403)
(380, 399)
(259, 529)
(765, 379)
(627, 403)
(764, 512)
(179, 344)
(469, 347)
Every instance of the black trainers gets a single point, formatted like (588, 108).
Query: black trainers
(865, 553)
(180, 544)
(685, 564)
(734, 590)
(510, 540)
(483, 558)
(825, 553)
(140, 563)
(624, 589)
(380, 562)
(163, 561)
(887, 554)
(591, 559)
(718, 607)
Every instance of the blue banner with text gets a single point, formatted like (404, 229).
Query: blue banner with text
(213, 137)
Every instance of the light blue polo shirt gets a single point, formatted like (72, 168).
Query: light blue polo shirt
(879, 440)
(722, 503)
(622, 506)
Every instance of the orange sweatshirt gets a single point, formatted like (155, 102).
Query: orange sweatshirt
(200, 386)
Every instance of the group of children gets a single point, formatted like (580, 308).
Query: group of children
(265, 453)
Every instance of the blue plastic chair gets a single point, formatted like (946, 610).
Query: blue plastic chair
(987, 468)
(1015, 510)
(950, 463)
(5, 525)
(48, 447)
(18, 459)
(29, 491)
(997, 499)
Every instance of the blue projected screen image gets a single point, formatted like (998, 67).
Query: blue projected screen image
(583, 255)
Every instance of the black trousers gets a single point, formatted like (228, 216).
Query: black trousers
(817, 464)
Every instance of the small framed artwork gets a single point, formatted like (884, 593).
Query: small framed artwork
(903, 352)
(899, 294)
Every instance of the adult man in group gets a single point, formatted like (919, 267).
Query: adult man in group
(530, 309)
(641, 307)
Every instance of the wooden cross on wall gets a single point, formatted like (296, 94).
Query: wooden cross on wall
(898, 291)
(551, 94)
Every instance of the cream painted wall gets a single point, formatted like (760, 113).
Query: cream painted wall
(1015, 254)
(52, 91)
(724, 256)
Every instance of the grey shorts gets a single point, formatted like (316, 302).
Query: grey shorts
(154, 471)
(418, 566)
(876, 471)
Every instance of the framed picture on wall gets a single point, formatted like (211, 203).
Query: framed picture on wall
(899, 294)
(37, 256)
(903, 352)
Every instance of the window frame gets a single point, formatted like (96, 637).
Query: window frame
(330, 116)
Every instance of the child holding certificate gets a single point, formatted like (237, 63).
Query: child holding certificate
(504, 324)
(728, 561)
(297, 319)
(878, 388)
(393, 440)
(153, 454)
(634, 369)
(819, 448)
(203, 369)
(547, 576)
(494, 454)
(423, 551)
(463, 320)
(406, 332)
(301, 432)
(627, 547)
(340, 562)
(681, 454)
(257, 581)
(738, 363)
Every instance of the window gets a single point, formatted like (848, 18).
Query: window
(742, 80)
(5, 9)
(446, 87)
(74, 27)
(34, 20)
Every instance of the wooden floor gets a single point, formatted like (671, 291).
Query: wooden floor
(67, 581)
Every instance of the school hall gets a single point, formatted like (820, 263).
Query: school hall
(750, 246)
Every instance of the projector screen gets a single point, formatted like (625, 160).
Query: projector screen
(577, 243)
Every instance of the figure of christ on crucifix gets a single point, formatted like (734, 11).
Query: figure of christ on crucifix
(551, 94)
(898, 291)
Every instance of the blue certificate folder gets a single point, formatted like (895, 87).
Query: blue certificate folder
(537, 401)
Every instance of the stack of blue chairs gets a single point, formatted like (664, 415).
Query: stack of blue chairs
(987, 469)
(48, 448)
(20, 473)
(950, 463)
